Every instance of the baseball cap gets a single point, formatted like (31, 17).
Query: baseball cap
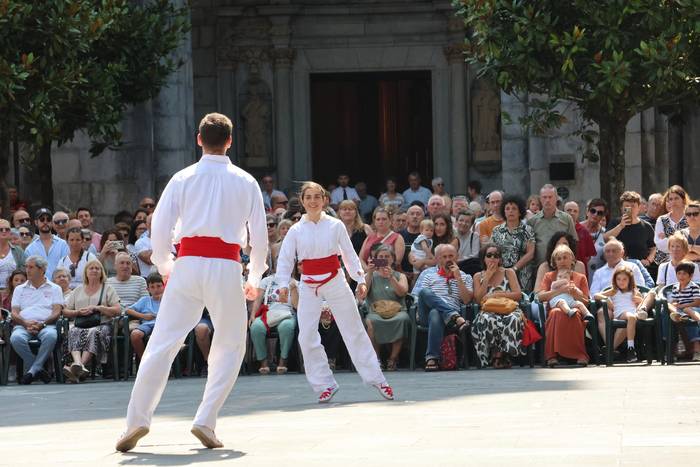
(43, 212)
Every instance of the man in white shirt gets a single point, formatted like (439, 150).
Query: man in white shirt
(130, 288)
(36, 306)
(614, 253)
(143, 250)
(47, 245)
(415, 191)
(343, 192)
(211, 209)
(267, 185)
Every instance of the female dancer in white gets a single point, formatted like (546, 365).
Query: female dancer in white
(316, 241)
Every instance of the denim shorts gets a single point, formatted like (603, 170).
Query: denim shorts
(146, 329)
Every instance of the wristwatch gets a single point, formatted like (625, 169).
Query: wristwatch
(515, 268)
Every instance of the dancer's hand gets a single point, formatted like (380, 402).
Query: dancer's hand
(251, 293)
(361, 292)
(283, 295)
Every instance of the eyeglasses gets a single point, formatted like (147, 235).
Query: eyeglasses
(87, 239)
(272, 224)
(692, 214)
(25, 220)
(597, 212)
(148, 205)
(5, 229)
(25, 234)
(60, 221)
(493, 255)
(296, 218)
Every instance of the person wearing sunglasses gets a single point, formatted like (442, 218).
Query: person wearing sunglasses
(11, 257)
(21, 218)
(148, 205)
(49, 246)
(84, 215)
(25, 237)
(74, 262)
(596, 213)
(60, 223)
(692, 232)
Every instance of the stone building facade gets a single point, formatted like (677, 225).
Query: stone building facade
(369, 87)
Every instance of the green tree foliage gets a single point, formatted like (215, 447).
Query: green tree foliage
(612, 58)
(69, 65)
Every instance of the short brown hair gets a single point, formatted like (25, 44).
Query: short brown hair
(215, 129)
(630, 197)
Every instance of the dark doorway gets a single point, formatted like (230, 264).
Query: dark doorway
(370, 126)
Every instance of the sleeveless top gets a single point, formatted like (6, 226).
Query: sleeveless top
(669, 229)
(357, 239)
(622, 301)
(373, 239)
(502, 287)
(382, 290)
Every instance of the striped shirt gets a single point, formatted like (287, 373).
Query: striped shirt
(129, 291)
(448, 290)
(689, 294)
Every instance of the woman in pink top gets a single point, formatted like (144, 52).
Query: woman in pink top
(381, 224)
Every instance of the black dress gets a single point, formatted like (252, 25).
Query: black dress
(357, 239)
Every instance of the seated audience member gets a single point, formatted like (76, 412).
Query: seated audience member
(140, 215)
(398, 220)
(517, 240)
(444, 232)
(357, 230)
(422, 247)
(77, 258)
(145, 311)
(367, 203)
(478, 211)
(282, 228)
(277, 201)
(87, 237)
(487, 225)
(272, 238)
(11, 257)
(614, 253)
(94, 296)
(391, 199)
(684, 301)
(143, 250)
(123, 217)
(17, 278)
(25, 237)
(442, 292)
(533, 206)
(84, 215)
(437, 205)
(497, 337)
(21, 218)
(331, 339)
(36, 306)
(469, 243)
(267, 186)
(383, 234)
(564, 333)
(635, 234)
(459, 204)
(129, 287)
(648, 280)
(124, 230)
(438, 185)
(111, 243)
(692, 232)
(675, 201)
(623, 301)
(585, 249)
(59, 223)
(138, 228)
(559, 238)
(61, 277)
(387, 319)
(268, 298)
(47, 245)
(203, 332)
(414, 216)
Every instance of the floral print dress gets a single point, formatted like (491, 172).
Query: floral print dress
(514, 244)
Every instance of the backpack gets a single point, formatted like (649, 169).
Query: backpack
(448, 352)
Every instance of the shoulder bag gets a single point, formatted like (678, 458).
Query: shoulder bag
(93, 319)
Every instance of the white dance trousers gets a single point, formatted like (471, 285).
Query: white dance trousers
(342, 303)
(195, 283)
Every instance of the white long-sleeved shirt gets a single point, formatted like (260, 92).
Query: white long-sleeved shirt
(315, 240)
(212, 198)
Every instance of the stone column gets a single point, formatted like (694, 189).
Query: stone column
(284, 152)
(458, 118)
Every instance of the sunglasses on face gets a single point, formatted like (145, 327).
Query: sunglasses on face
(296, 218)
(60, 221)
(25, 234)
(692, 214)
(493, 255)
(87, 239)
(148, 205)
(4, 229)
(596, 212)
(44, 219)
(25, 220)
(272, 224)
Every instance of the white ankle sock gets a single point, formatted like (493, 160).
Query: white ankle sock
(630, 344)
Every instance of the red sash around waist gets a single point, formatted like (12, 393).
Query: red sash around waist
(209, 247)
(317, 266)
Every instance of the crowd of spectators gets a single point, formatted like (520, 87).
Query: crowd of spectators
(420, 247)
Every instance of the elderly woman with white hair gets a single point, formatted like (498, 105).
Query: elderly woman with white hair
(438, 185)
(93, 305)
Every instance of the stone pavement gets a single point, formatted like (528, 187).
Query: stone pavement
(626, 415)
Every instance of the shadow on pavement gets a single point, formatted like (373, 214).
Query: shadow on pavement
(193, 455)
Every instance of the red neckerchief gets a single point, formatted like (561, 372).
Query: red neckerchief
(446, 274)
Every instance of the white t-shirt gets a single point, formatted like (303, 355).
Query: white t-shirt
(76, 274)
(143, 244)
(7, 266)
(35, 304)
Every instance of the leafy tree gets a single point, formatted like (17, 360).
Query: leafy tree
(612, 58)
(69, 65)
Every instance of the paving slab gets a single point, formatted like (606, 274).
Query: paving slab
(626, 415)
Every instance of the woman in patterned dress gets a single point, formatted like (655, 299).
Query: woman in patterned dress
(675, 199)
(517, 241)
(497, 337)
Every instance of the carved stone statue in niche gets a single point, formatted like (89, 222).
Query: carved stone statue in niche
(256, 116)
(486, 122)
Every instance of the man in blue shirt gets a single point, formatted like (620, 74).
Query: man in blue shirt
(145, 310)
(415, 191)
(49, 246)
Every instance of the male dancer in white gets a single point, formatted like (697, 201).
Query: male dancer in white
(317, 240)
(212, 202)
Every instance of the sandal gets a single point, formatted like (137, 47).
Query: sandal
(552, 362)
(264, 370)
(460, 327)
(583, 363)
(431, 365)
(281, 370)
(390, 365)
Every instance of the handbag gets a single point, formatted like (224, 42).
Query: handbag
(530, 333)
(499, 305)
(386, 308)
(275, 313)
(448, 352)
(93, 319)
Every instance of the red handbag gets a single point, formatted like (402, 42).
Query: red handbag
(530, 333)
(448, 352)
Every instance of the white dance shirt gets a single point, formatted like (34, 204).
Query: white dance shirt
(212, 198)
(316, 240)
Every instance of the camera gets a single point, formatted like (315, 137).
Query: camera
(380, 262)
(118, 244)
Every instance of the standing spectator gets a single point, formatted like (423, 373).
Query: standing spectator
(438, 185)
(272, 238)
(358, 231)
(459, 204)
(635, 234)
(11, 257)
(478, 211)
(145, 311)
(678, 249)
(16, 203)
(692, 232)
(414, 216)
(385, 285)
(25, 237)
(586, 248)
(533, 206)
(487, 225)
(655, 208)
(148, 205)
(675, 200)
(36, 306)
(516, 241)
(143, 250)
(47, 245)
(278, 201)
(282, 228)
(77, 257)
(140, 215)
(442, 292)
(17, 278)
(85, 218)
(383, 234)
(84, 344)
(368, 203)
(468, 239)
(415, 192)
(343, 192)
(614, 256)
(548, 221)
(436, 205)
(391, 200)
(474, 191)
(138, 228)
(564, 333)
(595, 216)
(21, 218)
(268, 190)
(60, 224)
(398, 220)
(111, 243)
